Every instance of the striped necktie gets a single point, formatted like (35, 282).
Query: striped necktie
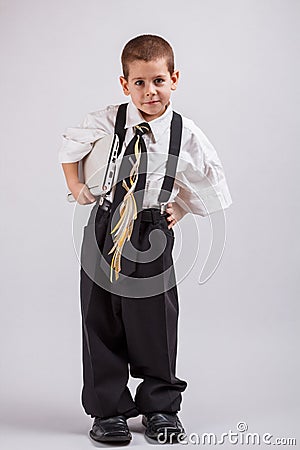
(124, 219)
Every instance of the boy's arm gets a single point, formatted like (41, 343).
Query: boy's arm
(79, 190)
(77, 143)
(201, 179)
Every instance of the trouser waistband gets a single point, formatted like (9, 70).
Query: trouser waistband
(148, 214)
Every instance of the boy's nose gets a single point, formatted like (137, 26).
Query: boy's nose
(150, 89)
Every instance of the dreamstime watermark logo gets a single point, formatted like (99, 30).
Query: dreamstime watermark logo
(239, 437)
(87, 234)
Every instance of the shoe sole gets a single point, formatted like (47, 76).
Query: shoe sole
(110, 438)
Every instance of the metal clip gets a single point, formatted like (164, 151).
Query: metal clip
(163, 207)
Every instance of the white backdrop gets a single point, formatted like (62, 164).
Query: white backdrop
(238, 335)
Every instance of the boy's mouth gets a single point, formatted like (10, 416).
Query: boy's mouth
(152, 102)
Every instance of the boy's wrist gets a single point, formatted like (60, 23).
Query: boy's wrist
(73, 183)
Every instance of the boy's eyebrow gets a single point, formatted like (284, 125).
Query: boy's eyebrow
(156, 76)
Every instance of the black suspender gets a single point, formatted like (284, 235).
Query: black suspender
(174, 148)
(120, 129)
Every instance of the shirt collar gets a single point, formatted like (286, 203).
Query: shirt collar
(158, 126)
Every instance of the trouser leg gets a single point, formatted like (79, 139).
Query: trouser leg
(104, 350)
(151, 333)
(151, 327)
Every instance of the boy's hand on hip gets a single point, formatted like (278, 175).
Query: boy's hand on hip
(175, 213)
(82, 194)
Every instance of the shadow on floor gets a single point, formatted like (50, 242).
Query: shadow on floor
(42, 418)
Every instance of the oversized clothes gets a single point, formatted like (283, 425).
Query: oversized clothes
(200, 185)
(127, 333)
(128, 330)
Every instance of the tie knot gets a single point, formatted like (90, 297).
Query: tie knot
(142, 128)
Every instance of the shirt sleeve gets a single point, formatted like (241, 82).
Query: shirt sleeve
(78, 141)
(200, 177)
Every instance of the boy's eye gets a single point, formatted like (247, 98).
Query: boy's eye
(156, 81)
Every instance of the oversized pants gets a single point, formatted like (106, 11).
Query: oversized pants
(122, 335)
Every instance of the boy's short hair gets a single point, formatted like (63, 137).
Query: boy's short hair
(147, 47)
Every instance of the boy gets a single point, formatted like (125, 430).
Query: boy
(120, 329)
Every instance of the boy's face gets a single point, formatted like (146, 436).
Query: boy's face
(150, 84)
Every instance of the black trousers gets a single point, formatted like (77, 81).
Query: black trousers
(122, 335)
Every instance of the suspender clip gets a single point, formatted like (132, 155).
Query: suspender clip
(163, 207)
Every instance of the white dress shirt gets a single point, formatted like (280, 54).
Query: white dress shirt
(200, 186)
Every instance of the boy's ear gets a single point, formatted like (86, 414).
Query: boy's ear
(124, 84)
(174, 78)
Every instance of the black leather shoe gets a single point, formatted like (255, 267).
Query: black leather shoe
(113, 429)
(163, 427)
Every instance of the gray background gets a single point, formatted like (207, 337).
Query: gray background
(238, 336)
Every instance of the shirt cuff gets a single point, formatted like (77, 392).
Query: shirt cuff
(73, 151)
(206, 201)
(77, 142)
